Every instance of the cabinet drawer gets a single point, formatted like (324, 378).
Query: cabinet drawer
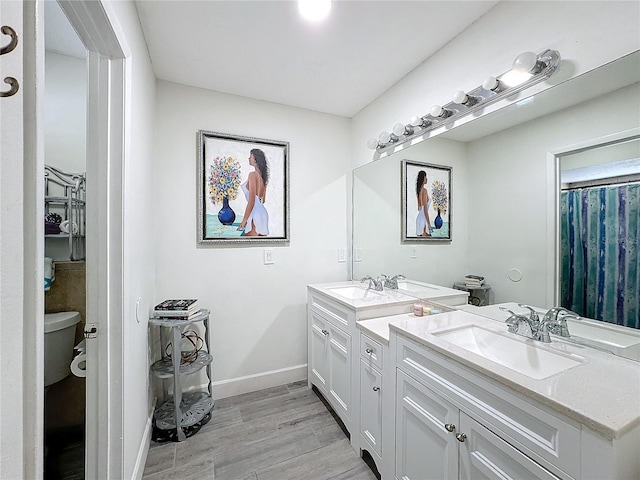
(371, 351)
(547, 437)
(332, 311)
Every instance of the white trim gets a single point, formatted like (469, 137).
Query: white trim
(143, 451)
(108, 91)
(553, 204)
(258, 381)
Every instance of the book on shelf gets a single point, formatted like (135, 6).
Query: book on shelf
(478, 278)
(473, 280)
(175, 315)
(177, 308)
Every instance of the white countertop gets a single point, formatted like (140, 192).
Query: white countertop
(602, 393)
(377, 328)
(374, 300)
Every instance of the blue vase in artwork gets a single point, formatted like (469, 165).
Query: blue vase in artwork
(226, 215)
(438, 221)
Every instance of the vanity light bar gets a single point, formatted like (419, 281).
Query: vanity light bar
(528, 69)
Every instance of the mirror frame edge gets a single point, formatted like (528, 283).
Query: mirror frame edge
(553, 201)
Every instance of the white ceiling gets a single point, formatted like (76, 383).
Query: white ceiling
(264, 50)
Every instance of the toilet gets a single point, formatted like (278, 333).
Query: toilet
(59, 338)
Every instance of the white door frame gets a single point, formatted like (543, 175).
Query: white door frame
(98, 29)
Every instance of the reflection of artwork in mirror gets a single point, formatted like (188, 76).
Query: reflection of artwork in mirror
(426, 202)
(243, 189)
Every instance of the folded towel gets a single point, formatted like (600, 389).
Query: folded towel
(49, 273)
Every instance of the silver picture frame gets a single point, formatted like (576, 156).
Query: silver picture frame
(225, 162)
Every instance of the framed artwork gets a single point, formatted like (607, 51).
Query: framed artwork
(426, 202)
(243, 189)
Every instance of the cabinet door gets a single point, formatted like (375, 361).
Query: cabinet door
(484, 455)
(318, 352)
(371, 406)
(425, 449)
(339, 353)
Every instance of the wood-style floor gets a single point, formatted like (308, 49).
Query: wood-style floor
(281, 433)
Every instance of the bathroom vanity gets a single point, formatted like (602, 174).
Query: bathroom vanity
(458, 396)
(333, 341)
(342, 362)
(473, 401)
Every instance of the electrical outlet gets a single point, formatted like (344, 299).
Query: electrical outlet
(268, 256)
(414, 252)
(342, 255)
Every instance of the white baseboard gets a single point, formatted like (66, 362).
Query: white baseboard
(143, 451)
(259, 381)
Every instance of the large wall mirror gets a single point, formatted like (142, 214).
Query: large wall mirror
(506, 188)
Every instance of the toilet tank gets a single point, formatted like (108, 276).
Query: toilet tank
(59, 337)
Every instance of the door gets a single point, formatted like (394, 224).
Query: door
(426, 446)
(484, 455)
(318, 360)
(371, 405)
(21, 242)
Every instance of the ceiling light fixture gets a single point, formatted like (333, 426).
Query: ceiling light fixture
(314, 10)
(528, 69)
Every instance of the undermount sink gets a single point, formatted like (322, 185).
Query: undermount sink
(414, 287)
(522, 356)
(355, 293)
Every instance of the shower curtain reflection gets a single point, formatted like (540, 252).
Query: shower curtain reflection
(599, 252)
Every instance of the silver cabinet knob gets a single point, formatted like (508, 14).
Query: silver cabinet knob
(369, 351)
(375, 389)
(449, 427)
(461, 437)
(325, 332)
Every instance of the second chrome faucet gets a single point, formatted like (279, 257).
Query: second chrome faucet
(532, 327)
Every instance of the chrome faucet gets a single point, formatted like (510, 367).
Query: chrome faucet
(393, 281)
(375, 283)
(520, 324)
(556, 323)
(533, 327)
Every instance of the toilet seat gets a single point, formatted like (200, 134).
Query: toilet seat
(57, 321)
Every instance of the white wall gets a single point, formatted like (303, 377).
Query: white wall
(510, 189)
(258, 312)
(139, 242)
(65, 112)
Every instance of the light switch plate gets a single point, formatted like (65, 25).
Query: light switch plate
(357, 254)
(342, 255)
(414, 252)
(268, 256)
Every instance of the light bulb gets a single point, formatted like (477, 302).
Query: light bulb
(436, 111)
(416, 121)
(372, 143)
(491, 83)
(384, 137)
(400, 129)
(460, 97)
(525, 62)
(314, 10)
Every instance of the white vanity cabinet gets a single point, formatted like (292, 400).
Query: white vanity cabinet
(334, 358)
(330, 363)
(437, 437)
(455, 422)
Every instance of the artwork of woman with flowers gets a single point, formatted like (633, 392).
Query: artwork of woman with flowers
(236, 177)
(426, 201)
